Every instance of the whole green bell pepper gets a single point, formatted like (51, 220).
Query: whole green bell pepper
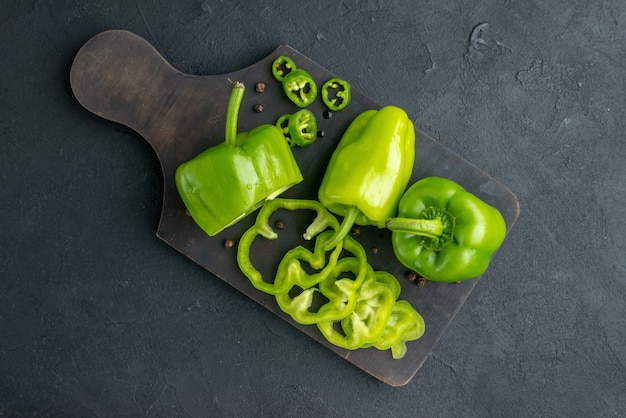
(225, 183)
(445, 233)
(370, 169)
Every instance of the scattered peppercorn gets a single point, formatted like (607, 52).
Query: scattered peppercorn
(229, 243)
(320, 134)
(187, 212)
(375, 250)
(258, 108)
(421, 282)
(260, 87)
(356, 231)
(327, 114)
(411, 276)
(279, 224)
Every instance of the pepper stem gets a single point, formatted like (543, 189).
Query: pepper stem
(232, 113)
(434, 225)
(430, 228)
(346, 226)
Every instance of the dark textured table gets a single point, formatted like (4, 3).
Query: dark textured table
(98, 317)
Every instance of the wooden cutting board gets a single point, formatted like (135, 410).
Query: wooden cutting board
(119, 76)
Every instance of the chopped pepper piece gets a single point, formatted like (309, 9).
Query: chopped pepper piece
(340, 291)
(366, 323)
(282, 123)
(404, 324)
(225, 183)
(289, 271)
(282, 66)
(300, 87)
(445, 233)
(336, 93)
(369, 169)
(303, 128)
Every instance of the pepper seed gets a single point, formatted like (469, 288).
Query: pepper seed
(375, 250)
(258, 108)
(260, 87)
(229, 243)
(356, 231)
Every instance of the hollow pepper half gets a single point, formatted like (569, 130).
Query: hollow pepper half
(445, 233)
(370, 169)
(226, 182)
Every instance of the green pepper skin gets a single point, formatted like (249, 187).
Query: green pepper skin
(225, 183)
(370, 168)
(477, 230)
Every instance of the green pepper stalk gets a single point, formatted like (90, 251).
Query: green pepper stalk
(225, 183)
(370, 169)
(445, 233)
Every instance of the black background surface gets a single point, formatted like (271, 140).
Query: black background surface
(98, 317)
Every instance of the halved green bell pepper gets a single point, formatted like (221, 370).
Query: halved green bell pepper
(225, 183)
(370, 169)
(445, 233)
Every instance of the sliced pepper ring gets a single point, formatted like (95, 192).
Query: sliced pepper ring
(303, 128)
(404, 324)
(366, 323)
(336, 93)
(282, 123)
(341, 293)
(300, 87)
(322, 221)
(282, 66)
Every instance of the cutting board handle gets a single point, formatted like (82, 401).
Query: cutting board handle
(119, 76)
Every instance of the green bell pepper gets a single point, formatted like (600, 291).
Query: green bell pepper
(225, 183)
(370, 169)
(445, 233)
